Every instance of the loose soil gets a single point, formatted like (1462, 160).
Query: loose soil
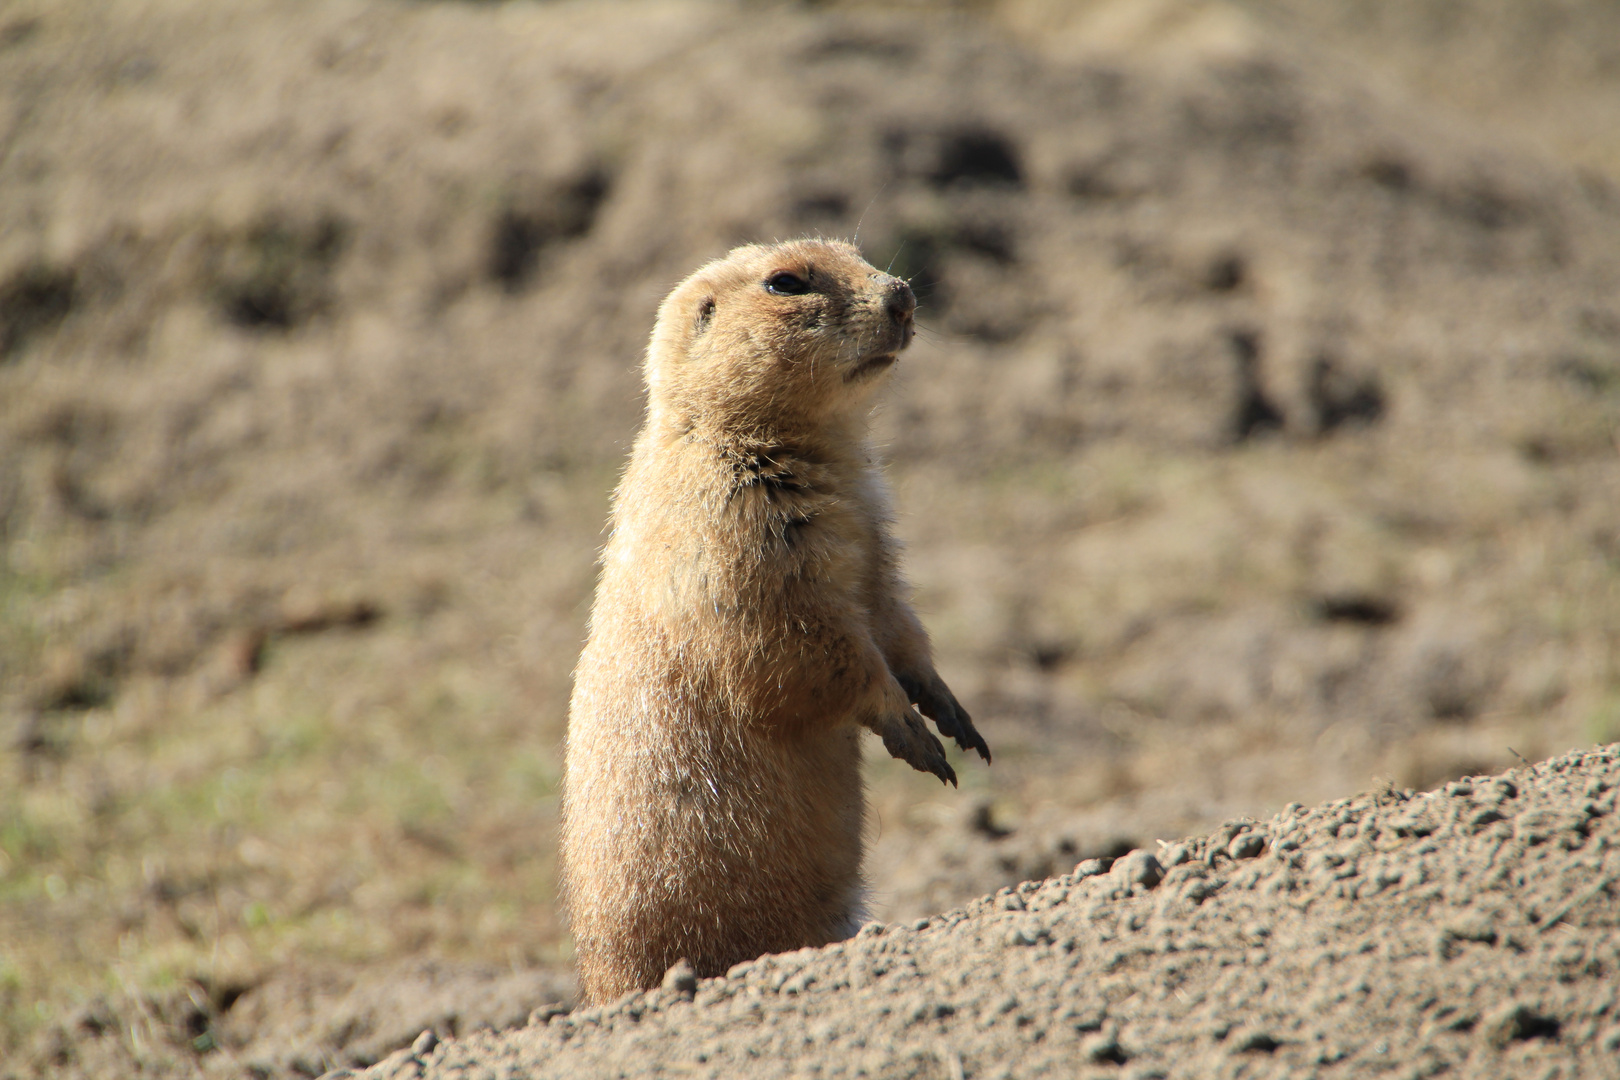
(1469, 931)
(1259, 447)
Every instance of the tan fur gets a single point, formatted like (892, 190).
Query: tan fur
(749, 621)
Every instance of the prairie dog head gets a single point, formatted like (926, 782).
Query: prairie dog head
(776, 338)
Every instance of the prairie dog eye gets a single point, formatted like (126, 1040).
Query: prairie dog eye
(786, 284)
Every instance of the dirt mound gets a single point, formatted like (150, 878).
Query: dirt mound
(1259, 442)
(1473, 929)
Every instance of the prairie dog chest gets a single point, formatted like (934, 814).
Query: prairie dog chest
(803, 521)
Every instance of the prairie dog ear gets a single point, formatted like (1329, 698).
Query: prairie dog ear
(679, 323)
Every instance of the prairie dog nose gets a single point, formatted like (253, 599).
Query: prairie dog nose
(899, 301)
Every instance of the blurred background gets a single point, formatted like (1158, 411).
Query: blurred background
(1259, 446)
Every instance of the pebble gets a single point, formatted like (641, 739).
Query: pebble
(1139, 868)
(425, 1042)
(1519, 1023)
(1251, 1042)
(1104, 1050)
(681, 979)
(1026, 935)
(545, 1014)
(1247, 845)
(1084, 1019)
(1485, 817)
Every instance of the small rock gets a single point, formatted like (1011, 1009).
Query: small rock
(1089, 868)
(1485, 817)
(1084, 1019)
(545, 1014)
(1454, 1020)
(1197, 890)
(1138, 868)
(1414, 824)
(1519, 1024)
(990, 1014)
(1246, 845)
(1030, 934)
(681, 979)
(1104, 1050)
(799, 983)
(1477, 928)
(1255, 1042)
(425, 1042)
(1048, 898)
(1174, 854)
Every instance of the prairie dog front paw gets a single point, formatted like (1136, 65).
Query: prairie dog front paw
(935, 701)
(906, 737)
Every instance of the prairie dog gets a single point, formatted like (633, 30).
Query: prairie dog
(749, 621)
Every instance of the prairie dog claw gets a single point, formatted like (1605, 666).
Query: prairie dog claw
(906, 737)
(935, 701)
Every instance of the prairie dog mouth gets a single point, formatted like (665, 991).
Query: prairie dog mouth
(869, 367)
